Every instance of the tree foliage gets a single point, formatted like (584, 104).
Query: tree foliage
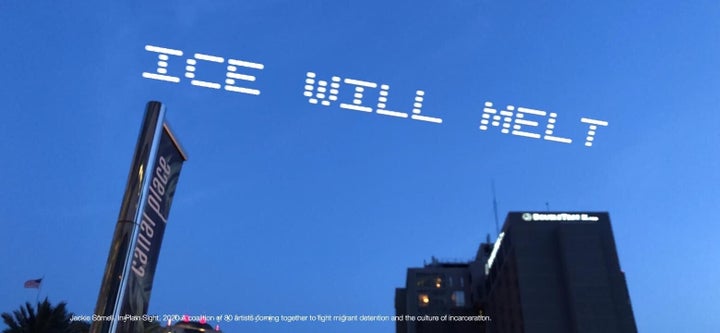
(46, 318)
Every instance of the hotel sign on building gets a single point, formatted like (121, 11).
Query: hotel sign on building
(560, 217)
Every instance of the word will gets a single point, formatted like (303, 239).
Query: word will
(511, 120)
(326, 98)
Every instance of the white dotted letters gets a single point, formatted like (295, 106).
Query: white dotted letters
(360, 95)
(522, 125)
(191, 68)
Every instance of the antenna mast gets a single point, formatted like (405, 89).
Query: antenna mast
(497, 228)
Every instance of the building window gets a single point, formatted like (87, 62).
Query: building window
(423, 300)
(429, 280)
(458, 298)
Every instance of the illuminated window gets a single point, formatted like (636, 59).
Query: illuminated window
(423, 300)
(425, 280)
(458, 298)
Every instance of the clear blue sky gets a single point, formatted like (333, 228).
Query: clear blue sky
(288, 207)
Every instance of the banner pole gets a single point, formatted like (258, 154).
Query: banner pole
(114, 276)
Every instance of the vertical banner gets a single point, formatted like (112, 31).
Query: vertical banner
(155, 209)
(118, 270)
(122, 238)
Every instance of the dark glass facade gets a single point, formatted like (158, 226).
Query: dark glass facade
(547, 272)
(556, 273)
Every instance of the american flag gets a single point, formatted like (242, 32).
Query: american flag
(33, 283)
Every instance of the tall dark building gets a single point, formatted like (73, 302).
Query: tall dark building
(556, 273)
(547, 272)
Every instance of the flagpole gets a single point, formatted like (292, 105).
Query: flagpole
(37, 296)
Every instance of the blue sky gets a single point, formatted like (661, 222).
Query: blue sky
(287, 207)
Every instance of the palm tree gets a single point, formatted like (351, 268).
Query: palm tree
(77, 326)
(47, 319)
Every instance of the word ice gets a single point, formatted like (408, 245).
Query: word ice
(493, 117)
(231, 76)
(325, 97)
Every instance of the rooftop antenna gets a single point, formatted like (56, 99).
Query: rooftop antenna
(547, 206)
(497, 228)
